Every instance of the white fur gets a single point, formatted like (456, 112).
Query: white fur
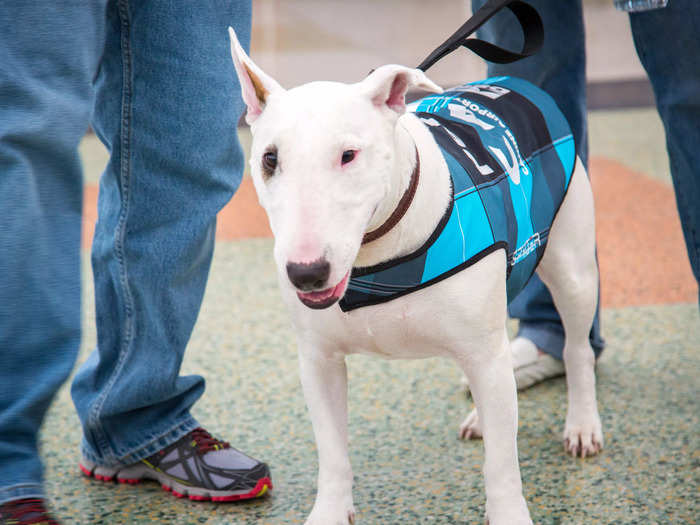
(318, 208)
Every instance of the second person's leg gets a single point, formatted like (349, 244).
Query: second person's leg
(673, 65)
(559, 69)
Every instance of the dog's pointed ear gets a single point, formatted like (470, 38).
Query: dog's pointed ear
(256, 86)
(386, 86)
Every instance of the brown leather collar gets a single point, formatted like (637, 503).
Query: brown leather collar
(401, 208)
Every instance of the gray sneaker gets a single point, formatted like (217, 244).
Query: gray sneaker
(196, 466)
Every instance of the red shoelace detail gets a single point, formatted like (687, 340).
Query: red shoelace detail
(205, 441)
(26, 512)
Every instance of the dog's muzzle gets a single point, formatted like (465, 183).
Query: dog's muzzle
(310, 278)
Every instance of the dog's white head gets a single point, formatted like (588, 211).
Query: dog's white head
(321, 160)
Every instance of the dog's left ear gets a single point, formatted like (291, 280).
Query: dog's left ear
(256, 86)
(387, 85)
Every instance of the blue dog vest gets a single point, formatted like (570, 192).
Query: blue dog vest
(510, 153)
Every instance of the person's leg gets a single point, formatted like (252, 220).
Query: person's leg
(48, 57)
(167, 109)
(559, 69)
(667, 42)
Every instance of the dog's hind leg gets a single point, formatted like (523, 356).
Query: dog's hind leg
(568, 268)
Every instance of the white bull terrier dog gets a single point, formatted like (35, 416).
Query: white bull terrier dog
(367, 201)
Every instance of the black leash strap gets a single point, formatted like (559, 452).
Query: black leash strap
(528, 18)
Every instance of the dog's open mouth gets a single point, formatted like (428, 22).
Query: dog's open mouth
(324, 298)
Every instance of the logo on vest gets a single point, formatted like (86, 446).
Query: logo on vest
(526, 249)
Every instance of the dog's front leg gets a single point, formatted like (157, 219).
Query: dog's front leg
(324, 379)
(493, 388)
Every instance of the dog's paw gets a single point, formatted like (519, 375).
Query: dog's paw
(525, 521)
(328, 516)
(471, 427)
(583, 436)
(513, 514)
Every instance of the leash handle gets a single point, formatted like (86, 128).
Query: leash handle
(527, 16)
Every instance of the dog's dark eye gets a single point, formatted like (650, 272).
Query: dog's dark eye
(348, 156)
(269, 162)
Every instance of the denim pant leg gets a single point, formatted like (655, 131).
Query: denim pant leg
(48, 56)
(559, 69)
(167, 108)
(667, 42)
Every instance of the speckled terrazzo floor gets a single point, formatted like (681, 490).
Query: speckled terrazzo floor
(410, 468)
(409, 465)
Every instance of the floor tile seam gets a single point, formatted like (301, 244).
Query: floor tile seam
(612, 309)
(648, 305)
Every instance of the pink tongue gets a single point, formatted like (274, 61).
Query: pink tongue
(318, 296)
(322, 295)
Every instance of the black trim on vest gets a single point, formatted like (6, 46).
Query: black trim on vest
(472, 260)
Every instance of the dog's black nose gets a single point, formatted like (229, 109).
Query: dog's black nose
(309, 276)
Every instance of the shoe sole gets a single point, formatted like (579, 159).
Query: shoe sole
(135, 474)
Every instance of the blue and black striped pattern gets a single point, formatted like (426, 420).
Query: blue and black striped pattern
(510, 153)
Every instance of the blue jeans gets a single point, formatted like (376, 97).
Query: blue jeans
(559, 69)
(667, 44)
(167, 105)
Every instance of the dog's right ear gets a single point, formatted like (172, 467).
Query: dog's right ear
(256, 86)
(387, 85)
